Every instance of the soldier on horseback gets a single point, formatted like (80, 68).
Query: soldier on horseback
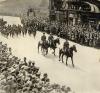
(66, 46)
(51, 39)
(43, 39)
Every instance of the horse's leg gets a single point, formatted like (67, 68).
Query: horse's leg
(62, 58)
(38, 47)
(66, 60)
(41, 49)
(59, 54)
(34, 34)
(46, 51)
(72, 61)
(54, 52)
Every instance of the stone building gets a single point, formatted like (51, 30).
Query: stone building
(75, 11)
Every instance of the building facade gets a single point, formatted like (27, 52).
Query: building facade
(75, 11)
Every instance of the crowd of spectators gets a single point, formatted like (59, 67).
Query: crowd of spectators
(81, 34)
(23, 76)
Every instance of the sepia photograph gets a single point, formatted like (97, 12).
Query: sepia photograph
(49, 46)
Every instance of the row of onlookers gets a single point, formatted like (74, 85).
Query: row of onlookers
(23, 76)
(81, 34)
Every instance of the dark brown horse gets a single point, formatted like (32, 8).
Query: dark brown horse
(53, 44)
(46, 45)
(68, 53)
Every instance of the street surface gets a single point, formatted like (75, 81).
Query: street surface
(84, 78)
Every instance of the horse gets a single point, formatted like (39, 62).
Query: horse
(53, 44)
(46, 45)
(68, 53)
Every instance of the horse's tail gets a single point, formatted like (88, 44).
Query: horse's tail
(34, 33)
(60, 50)
(59, 53)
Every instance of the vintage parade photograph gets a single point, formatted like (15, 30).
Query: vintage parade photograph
(49, 46)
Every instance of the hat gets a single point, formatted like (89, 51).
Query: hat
(50, 33)
(68, 89)
(38, 74)
(33, 63)
(45, 74)
(37, 68)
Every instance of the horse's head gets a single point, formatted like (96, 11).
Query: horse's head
(57, 41)
(74, 48)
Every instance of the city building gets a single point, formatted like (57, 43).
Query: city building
(75, 11)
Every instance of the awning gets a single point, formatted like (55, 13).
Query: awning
(93, 7)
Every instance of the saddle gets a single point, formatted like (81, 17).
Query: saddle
(51, 43)
(66, 50)
(44, 44)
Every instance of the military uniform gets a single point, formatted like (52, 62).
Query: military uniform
(43, 38)
(65, 46)
(50, 39)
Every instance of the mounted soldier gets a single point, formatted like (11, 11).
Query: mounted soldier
(50, 43)
(43, 39)
(51, 39)
(66, 46)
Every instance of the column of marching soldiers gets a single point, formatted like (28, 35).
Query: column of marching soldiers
(81, 34)
(23, 76)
